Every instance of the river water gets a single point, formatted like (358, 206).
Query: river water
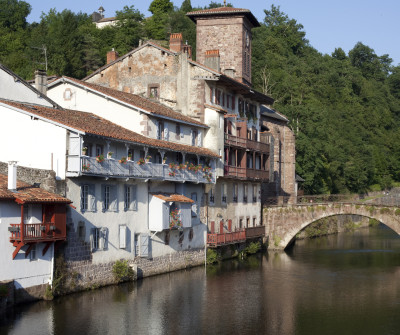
(342, 284)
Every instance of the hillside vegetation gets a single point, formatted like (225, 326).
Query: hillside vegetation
(343, 108)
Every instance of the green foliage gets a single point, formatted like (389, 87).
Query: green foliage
(212, 257)
(351, 226)
(397, 212)
(385, 210)
(160, 6)
(3, 290)
(122, 271)
(277, 240)
(48, 293)
(373, 222)
(253, 248)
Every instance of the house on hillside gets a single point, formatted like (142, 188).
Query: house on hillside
(214, 90)
(32, 226)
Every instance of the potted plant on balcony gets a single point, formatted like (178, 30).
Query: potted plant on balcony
(109, 154)
(122, 160)
(84, 151)
(141, 161)
(172, 174)
(148, 157)
(129, 157)
(100, 158)
(175, 219)
(172, 165)
(164, 160)
(86, 167)
(181, 166)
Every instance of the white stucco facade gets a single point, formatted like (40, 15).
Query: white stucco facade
(33, 270)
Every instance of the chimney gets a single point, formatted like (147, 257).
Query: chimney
(187, 49)
(175, 42)
(212, 60)
(12, 175)
(41, 81)
(112, 56)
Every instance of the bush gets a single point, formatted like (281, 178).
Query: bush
(48, 293)
(373, 222)
(212, 256)
(253, 247)
(397, 212)
(122, 271)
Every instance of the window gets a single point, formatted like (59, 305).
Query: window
(194, 205)
(110, 201)
(241, 108)
(194, 137)
(166, 238)
(33, 254)
(218, 97)
(99, 238)
(228, 101)
(154, 91)
(122, 236)
(240, 223)
(235, 192)
(81, 231)
(212, 198)
(99, 150)
(160, 130)
(27, 214)
(136, 239)
(254, 222)
(245, 186)
(88, 199)
(178, 132)
(191, 234)
(130, 203)
(223, 193)
(255, 193)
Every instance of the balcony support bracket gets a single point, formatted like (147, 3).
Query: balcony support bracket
(18, 246)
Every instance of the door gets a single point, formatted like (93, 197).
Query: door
(212, 227)
(221, 227)
(230, 225)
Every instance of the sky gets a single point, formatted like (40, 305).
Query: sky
(328, 24)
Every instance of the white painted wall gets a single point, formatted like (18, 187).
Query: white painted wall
(127, 117)
(33, 143)
(17, 91)
(214, 138)
(25, 272)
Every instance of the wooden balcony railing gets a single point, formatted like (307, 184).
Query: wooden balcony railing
(257, 174)
(257, 146)
(215, 240)
(131, 169)
(37, 232)
(235, 141)
(234, 171)
(253, 232)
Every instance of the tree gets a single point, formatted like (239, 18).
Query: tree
(129, 29)
(161, 6)
(13, 14)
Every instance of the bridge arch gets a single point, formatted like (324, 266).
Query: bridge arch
(282, 224)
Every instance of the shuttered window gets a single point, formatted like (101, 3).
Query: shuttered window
(194, 205)
(130, 202)
(88, 198)
(109, 198)
(144, 245)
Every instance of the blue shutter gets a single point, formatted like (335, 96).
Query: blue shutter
(158, 129)
(104, 238)
(122, 237)
(92, 238)
(103, 199)
(144, 245)
(82, 200)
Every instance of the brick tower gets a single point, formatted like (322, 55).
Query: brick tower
(227, 30)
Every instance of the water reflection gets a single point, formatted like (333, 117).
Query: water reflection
(341, 284)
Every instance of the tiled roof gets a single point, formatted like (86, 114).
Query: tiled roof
(95, 125)
(138, 101)
(224, 11)
(172, 197)
(27, 193)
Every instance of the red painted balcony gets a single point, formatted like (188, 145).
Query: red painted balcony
(235, 141)
(234, 171)
(215, 240)
(37, 232)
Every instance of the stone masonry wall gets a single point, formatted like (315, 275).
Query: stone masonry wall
(46, 178)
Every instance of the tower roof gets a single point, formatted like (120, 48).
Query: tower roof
(223, 11)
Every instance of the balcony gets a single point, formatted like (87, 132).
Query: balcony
(254, 232)
(257, 174)
(235, 141)
(215, 240)
(257, 146)
(234, 171)
(112, 168)
(37, 232)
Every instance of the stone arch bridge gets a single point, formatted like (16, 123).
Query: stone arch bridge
(282, 223)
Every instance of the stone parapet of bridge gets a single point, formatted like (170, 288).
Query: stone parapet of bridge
(282, 223)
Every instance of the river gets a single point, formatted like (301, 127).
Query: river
(341, 284)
